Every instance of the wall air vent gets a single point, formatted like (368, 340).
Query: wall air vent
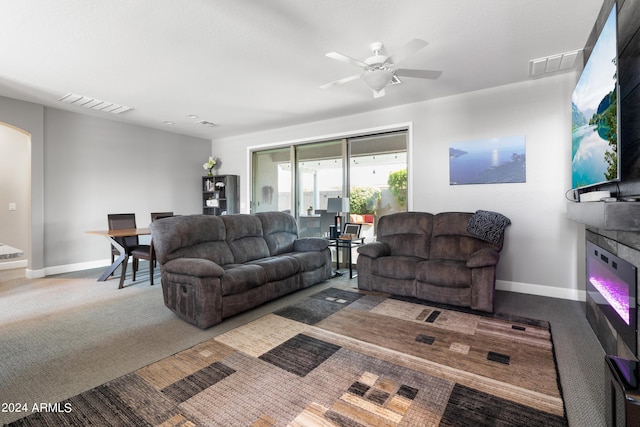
(94, 104)
(554, 63)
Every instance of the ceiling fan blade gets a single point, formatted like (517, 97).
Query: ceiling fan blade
(347, 59)
(406, 51)
(419, 74)
(339, 82)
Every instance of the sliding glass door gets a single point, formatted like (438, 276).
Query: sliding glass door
(369, 170)
(378, 174)
(320, 176)
(272, 181)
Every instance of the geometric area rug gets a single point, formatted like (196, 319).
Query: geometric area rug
(341, 358)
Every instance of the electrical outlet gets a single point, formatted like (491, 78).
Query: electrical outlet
(12, 206)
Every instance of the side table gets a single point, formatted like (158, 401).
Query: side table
(348, 245)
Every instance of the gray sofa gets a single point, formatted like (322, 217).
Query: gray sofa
(214, 267)
(448, 257)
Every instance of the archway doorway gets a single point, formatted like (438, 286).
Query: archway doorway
(15, 195)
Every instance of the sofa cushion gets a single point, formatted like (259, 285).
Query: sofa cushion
(244, 237)
(451, 223)
(309, 261)
(374, 249)
(483, 258)
(279, 230)
(194, 267)
(406, 233)
(458, 248)
(310, 244)
(242, 277)
(452, 241)
(395, 267)
(279, 267)
(444, 273)
(191, 236)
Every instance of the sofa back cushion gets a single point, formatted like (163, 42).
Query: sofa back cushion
(245, 238)
(452, 241)
(279, 230)
(190, 236)
(406, 233)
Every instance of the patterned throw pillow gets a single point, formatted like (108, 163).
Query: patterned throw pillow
(488, 225)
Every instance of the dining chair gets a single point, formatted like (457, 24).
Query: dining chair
(158, 215)
(120, 222)
(150, 255)
(131, 244)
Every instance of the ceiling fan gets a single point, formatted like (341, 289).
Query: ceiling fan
(381, 70)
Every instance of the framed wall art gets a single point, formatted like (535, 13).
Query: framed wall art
(488, 161)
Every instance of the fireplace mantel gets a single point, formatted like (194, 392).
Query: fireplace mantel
(620, 216)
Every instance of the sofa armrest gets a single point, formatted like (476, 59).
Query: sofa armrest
(198, 267)
(483, 258)
(309, 244)
(375, 249)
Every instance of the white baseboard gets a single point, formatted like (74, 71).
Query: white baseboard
(69, 268)
(34, 274)
(10, 265)
(48, 271)
(541, 290)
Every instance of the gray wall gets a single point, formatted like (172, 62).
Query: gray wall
(541, 247)
(88, 167)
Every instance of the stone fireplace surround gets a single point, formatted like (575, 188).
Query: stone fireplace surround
(615, 227)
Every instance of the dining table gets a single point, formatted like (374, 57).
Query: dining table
(123, 257)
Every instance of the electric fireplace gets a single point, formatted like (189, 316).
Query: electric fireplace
(611, 286)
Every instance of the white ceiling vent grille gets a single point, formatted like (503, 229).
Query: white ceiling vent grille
(554, 63)
(94, 104)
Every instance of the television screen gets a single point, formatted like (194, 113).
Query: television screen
(594, 103)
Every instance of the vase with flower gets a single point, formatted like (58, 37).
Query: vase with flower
(210, 165)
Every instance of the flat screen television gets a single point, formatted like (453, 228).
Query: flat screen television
(595, 156)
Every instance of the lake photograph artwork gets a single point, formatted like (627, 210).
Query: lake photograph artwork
(488, 161)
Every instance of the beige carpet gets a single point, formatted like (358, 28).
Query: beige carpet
(341, 357)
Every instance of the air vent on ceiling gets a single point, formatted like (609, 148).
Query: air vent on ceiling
(205, 123)
(551, 64)
(94, 104)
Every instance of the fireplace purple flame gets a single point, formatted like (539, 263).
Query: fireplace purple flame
(611, 283)
(614, 292)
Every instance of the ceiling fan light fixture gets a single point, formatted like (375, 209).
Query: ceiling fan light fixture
(377, 79)
(380, 70)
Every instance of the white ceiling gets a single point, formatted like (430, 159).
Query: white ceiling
(250, 65)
